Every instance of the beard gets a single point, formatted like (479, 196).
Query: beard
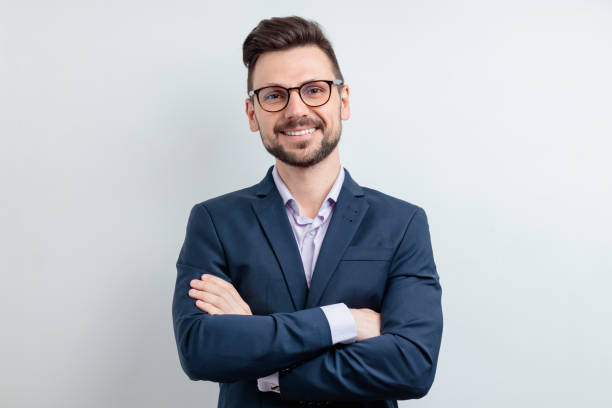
(328, 143)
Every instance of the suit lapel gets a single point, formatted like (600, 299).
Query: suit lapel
(270, 211)
(346, 218)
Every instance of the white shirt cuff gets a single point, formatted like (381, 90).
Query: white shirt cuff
(268, 383)
(341, 323)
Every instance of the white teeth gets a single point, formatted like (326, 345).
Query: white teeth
(300, 133)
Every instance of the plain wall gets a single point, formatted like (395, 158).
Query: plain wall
(116, 117)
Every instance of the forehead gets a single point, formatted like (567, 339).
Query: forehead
(292, 67)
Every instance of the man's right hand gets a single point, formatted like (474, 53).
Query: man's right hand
(367, 323)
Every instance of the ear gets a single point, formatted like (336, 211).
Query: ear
(345, 108)
(250, 112)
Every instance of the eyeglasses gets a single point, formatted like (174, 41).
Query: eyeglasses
(276, 98)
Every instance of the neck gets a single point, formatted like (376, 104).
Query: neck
(310, 185)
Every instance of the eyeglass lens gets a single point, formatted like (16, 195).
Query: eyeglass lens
(313, 93)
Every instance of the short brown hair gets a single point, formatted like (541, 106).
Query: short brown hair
(283, 33)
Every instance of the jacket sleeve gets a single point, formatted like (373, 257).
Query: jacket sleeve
(401, 362)
(226, 348)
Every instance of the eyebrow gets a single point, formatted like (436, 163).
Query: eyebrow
(276, 84)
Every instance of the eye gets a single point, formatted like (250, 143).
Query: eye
(272, 94)
(314, 90)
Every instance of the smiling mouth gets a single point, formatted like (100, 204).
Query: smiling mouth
(299, 132)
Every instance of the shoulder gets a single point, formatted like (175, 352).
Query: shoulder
(384, 203)
(229, 202)
(383, 207)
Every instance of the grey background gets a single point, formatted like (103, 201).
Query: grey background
(116, 117)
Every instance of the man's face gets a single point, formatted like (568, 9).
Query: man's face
(291, 68)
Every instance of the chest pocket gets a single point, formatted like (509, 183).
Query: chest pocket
(367, 253)
(361, 277)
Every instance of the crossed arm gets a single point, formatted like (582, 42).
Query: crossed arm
(216, 296)
(399, 363)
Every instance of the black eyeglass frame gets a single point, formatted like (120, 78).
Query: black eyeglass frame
(299, 88)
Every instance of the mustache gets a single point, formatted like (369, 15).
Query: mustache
(293, 123)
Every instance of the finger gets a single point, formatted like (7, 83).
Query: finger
(215, 288)
(223, 288)
(229, 298)
(211, 284)
(196, 294)
(197, 284)
(206, 279)
(212, 299)
(219, 297)
(226, 291)
(208, 308)
(217, 284)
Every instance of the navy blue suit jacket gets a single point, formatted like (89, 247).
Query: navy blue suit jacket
(376, 254)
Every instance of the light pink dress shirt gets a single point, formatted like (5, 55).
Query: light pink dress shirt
(309, 234)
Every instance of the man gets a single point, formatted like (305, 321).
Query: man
(306, 289)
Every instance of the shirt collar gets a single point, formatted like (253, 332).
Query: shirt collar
(285, 194)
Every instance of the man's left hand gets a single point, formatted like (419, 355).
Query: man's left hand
(216, 296)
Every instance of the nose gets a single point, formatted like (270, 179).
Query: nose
(296, 106)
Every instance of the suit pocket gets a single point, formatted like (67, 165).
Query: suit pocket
(367, 253)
